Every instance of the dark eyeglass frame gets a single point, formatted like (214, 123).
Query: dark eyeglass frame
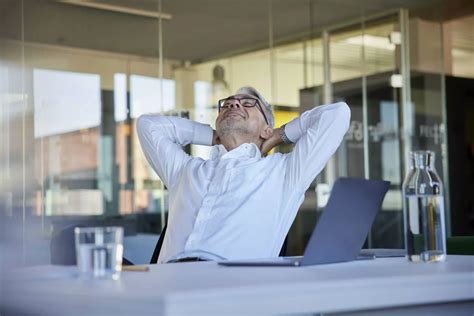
(257, 104)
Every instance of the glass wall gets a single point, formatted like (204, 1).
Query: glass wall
(372, 146)
(71, 96)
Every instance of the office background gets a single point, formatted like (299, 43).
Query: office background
(75, 75)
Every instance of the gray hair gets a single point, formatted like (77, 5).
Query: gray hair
(266, 106)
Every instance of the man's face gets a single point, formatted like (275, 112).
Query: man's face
(235, 117)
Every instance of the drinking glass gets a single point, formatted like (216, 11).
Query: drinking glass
(99, 251)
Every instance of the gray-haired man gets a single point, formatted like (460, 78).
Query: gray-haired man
(237, 204)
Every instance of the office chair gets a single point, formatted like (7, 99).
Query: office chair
(62, 246)
(159, 243)
(156, 252)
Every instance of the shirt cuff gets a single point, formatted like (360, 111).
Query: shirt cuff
(202, 134)
(293, 130)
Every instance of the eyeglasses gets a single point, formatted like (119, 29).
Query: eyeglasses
(245, 102)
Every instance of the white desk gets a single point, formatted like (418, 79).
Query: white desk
(206, 288)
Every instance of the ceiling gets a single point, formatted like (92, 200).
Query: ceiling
(198, 30)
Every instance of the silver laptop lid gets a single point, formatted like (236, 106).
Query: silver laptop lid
(346, 220)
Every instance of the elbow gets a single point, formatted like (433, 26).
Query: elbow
(343, 113)
(343, 110)
(145, 121)
(142, 123)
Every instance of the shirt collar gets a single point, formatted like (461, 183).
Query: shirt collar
(246, 150)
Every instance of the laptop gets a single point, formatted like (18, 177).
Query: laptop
(341, 229)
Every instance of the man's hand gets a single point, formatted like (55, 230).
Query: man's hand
(273, 141)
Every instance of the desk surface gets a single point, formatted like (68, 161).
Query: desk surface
(205, 287)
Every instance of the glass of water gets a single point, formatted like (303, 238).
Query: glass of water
(99, 251)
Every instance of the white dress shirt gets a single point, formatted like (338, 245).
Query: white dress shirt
(237, 204)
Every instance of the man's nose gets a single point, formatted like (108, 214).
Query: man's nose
(234, 103)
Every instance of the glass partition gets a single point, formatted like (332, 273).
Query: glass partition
(74, 79)
(361, 64)
(67, 118)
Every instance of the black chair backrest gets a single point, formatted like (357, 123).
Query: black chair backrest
(62, 246)
(284, 247)
(156, 252)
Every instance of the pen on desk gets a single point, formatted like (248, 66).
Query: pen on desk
(135, 268)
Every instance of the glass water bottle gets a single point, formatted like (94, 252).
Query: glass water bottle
(423, 210)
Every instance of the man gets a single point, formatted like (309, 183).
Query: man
(237, 204)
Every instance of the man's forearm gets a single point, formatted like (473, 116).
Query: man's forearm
(276, 139)
(179, 130)
(295, 129)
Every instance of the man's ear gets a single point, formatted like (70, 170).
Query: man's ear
(267, 132)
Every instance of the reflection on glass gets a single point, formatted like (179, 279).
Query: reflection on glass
(120, 97)
(289, 74)
(146, 98)
(388, 135)
(205, 112)
(203, 94)
(459, 33)
(65, 101)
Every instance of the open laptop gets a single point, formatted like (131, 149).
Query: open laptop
(341, 229)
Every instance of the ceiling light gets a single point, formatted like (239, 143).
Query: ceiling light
(396, 81)
(117, 8)
(371, 41)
